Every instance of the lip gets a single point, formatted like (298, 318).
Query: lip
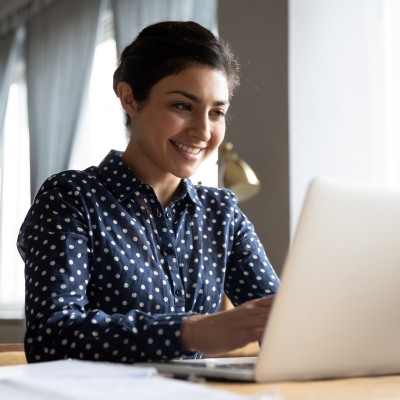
(185, 154)
(190, 145)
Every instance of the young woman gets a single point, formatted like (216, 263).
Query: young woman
(128, 261)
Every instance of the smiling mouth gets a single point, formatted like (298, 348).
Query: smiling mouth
(188, 149)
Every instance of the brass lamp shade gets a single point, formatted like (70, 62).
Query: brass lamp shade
(235, 174)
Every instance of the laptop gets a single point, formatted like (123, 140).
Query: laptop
(337, 312)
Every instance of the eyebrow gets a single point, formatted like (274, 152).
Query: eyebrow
(197, 99)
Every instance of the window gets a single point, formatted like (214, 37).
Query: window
(344, 93)
(101, 126)
(15, 199)
(391, 46)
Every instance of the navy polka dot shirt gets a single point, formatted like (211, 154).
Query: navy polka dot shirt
(111, 275)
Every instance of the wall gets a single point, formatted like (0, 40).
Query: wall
(7, 6)
(11, 330)
(337, 93)
(257, 32)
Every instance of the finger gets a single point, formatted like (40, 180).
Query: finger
(255, 334)
(250, 320)
(264, 301)
(251, 310)
(256, 307)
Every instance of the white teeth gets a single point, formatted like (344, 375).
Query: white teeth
(186, 148)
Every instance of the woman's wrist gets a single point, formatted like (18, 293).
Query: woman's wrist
(189, 333)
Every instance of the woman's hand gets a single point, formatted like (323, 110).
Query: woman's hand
(219, 333)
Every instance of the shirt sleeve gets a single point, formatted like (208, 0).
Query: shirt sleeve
(55, 243)
(249, 273)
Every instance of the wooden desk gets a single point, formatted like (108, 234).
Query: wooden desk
(12, 354)
(374, 388)
(11, 347)
(377, 388)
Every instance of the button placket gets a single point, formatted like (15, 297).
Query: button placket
(164, 227)
(173, 262)
(178, 290)
(168, 213)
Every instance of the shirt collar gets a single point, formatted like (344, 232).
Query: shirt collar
(123, 182)
(188, 187)
(120, 179)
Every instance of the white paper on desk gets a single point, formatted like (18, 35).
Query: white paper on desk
(155, 388)
(80, 380)
(75, 369)
(10, 390)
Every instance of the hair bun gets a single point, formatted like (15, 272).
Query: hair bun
(167, 48)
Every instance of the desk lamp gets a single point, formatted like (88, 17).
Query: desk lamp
(235, 174)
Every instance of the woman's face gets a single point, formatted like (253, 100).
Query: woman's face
(181, 124)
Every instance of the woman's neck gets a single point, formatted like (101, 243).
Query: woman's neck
(165, 185)
(164, 193)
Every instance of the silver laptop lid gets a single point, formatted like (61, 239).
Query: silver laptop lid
(337, 313)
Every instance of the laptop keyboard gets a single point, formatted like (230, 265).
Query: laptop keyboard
(246, 366)
(238, 366)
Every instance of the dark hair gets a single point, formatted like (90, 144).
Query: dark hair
(167, 48)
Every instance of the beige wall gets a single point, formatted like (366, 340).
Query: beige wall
(8, 6)
(11, 330)
(257, 31)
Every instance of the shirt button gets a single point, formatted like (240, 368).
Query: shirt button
(179, 292)
(168, 214)
(170, 250)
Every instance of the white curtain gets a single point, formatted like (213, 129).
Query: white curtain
(11, 47)
(9, 50)
(131, 16)
(8, 53)
(60, 47)
(5, 47)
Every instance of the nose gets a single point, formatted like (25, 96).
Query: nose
(200, 128)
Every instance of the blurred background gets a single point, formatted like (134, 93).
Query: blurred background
(320, 95)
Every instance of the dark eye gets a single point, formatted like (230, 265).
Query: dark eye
(218, 113)
(183, 106)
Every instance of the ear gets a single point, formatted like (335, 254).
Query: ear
(126, 97)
